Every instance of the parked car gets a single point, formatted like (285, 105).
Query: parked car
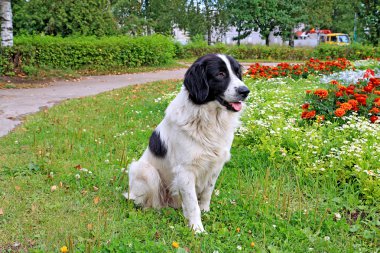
(339, 39)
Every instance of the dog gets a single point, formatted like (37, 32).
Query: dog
(190, 146)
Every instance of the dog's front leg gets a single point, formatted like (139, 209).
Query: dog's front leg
(185, 182)
(205, 197)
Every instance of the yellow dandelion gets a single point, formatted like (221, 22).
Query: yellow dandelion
(64, 249)
(175, 245)
(238, 230)
(252, 244)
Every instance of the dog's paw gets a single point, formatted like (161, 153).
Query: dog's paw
(198, 228)
(127, 195)
(204, 207)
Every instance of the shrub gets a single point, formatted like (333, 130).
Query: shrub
(352, 52)
(86, 52)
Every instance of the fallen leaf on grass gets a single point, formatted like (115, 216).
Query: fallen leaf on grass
(90, 226)
(96, 200)
(17, 188)
(53, 188)
(1, 211)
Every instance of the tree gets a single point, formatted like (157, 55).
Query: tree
(369, 12)
(241, 17)
(64, 17)
(130, 17)
(6, 23)
(293, 14)
(255, 15)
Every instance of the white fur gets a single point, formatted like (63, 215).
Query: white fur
(198, 139)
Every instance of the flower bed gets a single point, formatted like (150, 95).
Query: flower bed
(296, 71)
(339, 99)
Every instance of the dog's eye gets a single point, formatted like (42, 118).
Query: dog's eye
(221, 75)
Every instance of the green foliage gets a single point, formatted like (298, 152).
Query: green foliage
(75, 53)
(64, 18)
(352, 52)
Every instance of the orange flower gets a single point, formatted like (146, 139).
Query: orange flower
(175, 245)
(377, 92)
(320, 118)
(339, 94)
(308, 91)
(353, 102)
(321, 93)
(375, 110)
(346, 106)
(340, 112)
(334, 82)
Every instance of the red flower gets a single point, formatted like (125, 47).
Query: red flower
(339, 94)
(368, 88)
(305, 106)
(373, 118)
(361, 98)
(308, 114)
(369, 73)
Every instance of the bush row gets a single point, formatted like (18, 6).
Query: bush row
(352, 52)
(85, 52)
(34, 52)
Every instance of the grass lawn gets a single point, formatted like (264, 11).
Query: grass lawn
(61, 179)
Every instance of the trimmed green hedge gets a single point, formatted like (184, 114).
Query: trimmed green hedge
(85, 52)
(34, 52)
(352, 52)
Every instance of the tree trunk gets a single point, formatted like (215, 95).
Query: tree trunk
(291, 39)
(267, 40)
(6, 23)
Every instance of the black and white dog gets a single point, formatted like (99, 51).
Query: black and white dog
(189, 147)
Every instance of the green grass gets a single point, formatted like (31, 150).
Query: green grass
(280, 202)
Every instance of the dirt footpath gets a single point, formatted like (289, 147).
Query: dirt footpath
(15, 103)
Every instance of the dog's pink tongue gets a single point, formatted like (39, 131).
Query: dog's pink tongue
(237, 106)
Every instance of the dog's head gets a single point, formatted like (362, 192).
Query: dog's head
(216, 77)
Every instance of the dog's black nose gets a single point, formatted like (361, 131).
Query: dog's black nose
(243, 91)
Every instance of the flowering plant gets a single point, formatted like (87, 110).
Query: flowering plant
(338, 100)
(297, 71)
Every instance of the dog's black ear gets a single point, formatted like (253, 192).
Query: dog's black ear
(196, 83)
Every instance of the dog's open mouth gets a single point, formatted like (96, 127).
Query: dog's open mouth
(232, 106)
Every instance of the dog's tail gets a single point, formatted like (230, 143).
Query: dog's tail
(145, 187)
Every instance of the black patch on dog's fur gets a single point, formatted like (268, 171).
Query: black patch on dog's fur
(156, 145)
